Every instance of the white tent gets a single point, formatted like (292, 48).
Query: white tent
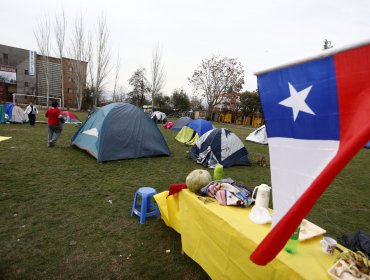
(219, 146)
(16, 114)
(258, 136)
(158, 116)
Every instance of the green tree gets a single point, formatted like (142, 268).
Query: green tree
(250, 102)
(141, 88)
(180, 100)
(87, 101)
(214, 77)
(162, 101)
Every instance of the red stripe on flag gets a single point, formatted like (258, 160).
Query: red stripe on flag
(353, 82)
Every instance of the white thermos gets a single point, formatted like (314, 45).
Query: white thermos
(263, 196)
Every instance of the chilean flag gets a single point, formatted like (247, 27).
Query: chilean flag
(317, 115)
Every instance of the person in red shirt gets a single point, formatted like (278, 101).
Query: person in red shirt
(54, 129)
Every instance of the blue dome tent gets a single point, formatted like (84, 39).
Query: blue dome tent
(120, 131)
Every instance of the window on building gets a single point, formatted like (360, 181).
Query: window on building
(5, 58)
(25, 84)
(26, 72)
(70, 69)
(70, 90)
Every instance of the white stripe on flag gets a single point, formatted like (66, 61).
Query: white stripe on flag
(294, 165)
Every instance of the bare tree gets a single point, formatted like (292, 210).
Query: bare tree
(99, 60)
(79, 54)
(214, 77)
(42, 35)
(60, 33)
(117, 70)
(157, 73)
(120, 95)
(196, 103)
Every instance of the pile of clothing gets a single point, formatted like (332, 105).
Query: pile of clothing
(228, 192)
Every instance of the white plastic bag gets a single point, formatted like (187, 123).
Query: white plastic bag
(260, 215)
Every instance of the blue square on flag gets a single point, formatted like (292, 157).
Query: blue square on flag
(303, 101)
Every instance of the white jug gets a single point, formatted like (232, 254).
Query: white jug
(263, 196)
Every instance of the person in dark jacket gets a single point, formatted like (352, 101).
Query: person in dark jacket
(31, 111)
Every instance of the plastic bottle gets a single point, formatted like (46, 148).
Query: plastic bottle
(292, 245)
(218, 173)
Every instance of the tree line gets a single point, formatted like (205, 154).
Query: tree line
(212, 79)
(217, 81)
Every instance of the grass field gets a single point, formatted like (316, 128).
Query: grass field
(56, 221)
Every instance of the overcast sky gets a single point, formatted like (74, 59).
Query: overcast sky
(260, 33)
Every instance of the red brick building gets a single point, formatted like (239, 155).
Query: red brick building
(25, 75)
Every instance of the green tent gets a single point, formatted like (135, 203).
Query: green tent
(187, 135)
(2, 113)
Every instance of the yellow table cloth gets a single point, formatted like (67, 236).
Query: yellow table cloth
(221, 239)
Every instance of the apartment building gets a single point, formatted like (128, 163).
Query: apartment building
(17, 72)
(27, 76)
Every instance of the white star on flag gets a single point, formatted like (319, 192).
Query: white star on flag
(297, 102)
